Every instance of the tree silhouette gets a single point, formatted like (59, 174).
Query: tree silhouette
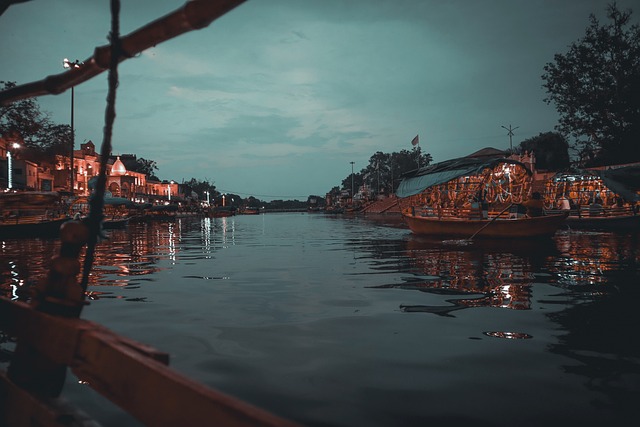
(596, 89)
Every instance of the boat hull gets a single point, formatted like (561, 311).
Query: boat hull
(48, 228)
(534, 227)
(620, 222)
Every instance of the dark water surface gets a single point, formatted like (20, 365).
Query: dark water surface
(354, 321)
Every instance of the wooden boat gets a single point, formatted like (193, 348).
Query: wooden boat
(623, 219)
(117, 210)
(31, 214)
(506, 227)
(250, 210)
(616, 190)
(469, 197)
(222, 211)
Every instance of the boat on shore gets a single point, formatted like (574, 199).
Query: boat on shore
(31, 214)
(471, 196)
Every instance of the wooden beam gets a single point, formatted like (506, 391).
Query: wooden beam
(132, 375)
(193, 15)
(20, 408)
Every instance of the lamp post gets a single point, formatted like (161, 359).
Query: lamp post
(10, 166)
(169, 189)
(71, 65)
(352, 181)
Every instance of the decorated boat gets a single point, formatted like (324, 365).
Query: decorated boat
(472, 197)
(31, 214)
(604, 199)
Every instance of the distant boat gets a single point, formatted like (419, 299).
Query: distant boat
(222, 211)
(31, 214)
(250, 210)
(333, 210)
(117, 210)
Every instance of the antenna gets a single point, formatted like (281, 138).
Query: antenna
(510, 129)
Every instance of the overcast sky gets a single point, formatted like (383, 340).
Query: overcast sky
(274, 99)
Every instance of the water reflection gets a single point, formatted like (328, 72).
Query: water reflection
(126, 259)
(317, 299)
(588, 259)
(600, 275)
(486, 273)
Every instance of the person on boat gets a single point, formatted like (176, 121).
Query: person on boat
(595, 207)
(564, 204)
(535, 205)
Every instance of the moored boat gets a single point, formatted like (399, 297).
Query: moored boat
(469, 197)
(597, 199)
(495, 228)
(250, 210)
(222, 211)
(31, 214)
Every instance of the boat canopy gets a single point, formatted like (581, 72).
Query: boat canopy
(418, 180)
(624, 181)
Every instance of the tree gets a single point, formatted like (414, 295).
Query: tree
(551, 150)
(147, 167)
(199, 187)
(384, 170)
(357, 182)
(41, 137)
(596, 89)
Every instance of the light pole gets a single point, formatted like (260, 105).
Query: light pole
(352, 181)
(71, 65)
(169, 189)
(10, 166)
(378, 170)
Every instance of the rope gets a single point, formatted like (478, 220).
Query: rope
(97, 201)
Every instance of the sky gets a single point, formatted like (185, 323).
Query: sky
(277, 97)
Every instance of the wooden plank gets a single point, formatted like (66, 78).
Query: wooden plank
(155, 394)
(132, 375)
(54, 337)
(19, 408)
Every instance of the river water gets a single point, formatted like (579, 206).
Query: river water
(353, 321)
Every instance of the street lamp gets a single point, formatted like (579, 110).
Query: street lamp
(71, 65)
(10, 165)
(169, 189)
(352, 181)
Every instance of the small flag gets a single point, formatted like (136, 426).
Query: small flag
(415, 141)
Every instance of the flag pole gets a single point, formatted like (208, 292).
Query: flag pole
(416, 141)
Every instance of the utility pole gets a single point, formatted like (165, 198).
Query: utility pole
(71, 65)
(510, 135)
(352, 182)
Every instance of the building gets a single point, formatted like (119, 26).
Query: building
(121, 181)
